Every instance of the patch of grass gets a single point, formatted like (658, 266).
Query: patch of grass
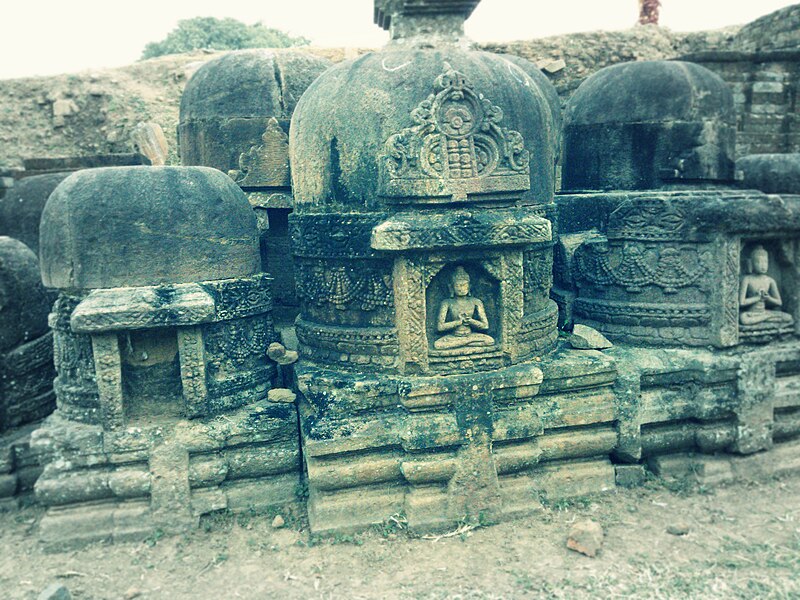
(395, 524)
(565, 504)
(153, 539)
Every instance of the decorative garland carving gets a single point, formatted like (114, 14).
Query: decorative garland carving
(246, 338)
(636, 266)
(344, 286)
(455, 147)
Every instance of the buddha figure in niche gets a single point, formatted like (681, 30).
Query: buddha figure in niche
(759, 297)
(462, 318)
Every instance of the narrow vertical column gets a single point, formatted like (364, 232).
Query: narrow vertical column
(193, 370)
(170, 492)
(409, 297)
(474, 490)
(755, 413)
(725, 319)
(108, 370)
(627, 401)
(510, 275)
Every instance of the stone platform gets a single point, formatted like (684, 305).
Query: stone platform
(164, 474)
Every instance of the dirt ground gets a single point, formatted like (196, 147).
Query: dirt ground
(104, 106)
(743, 542)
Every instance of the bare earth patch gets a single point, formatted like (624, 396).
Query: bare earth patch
(743, 542)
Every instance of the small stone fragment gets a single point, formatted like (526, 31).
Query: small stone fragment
(132, 593)
(679, 528)
(281, 355)
(149, 139)
(278, 522)
(64, 107)
(55, 591)
(554, 66)
(584, 337)
(585, 537)
(281, 395)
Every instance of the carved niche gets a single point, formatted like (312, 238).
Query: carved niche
(766, 294)
(456, 148)
(462, 306)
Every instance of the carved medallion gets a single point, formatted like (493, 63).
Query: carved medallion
(456, 148)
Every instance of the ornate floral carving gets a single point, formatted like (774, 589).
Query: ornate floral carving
(238, 298)
(652, 219)
(636, 266)
(456, 147)
(537, 274)
(265, 164)
(344, 286)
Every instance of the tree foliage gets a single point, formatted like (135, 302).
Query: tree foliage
(219, 34)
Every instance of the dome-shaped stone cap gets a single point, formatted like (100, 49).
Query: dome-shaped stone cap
(24, 302)
(21, 208)
(770, 173)
(546, 87)
(649, 125)
(138, 226)
(650, 92)
(343, 123)
(250, 83)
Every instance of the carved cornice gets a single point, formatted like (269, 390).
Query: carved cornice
(415, 231)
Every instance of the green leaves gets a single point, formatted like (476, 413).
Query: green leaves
(220, 34)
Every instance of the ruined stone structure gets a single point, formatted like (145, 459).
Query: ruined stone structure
(162, 322)
(29, 188)
(26, 365)
(431, 383)
(234, 116)
(762, 67)
(471, 344)
(694, 280)
(770, 173)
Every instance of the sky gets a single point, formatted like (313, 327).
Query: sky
(48, 37)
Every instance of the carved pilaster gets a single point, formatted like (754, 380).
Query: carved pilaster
(725, 322)
(409, 294)
(193, 370)
(108, 370)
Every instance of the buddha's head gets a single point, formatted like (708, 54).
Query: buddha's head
(460, 282)
(759, 258)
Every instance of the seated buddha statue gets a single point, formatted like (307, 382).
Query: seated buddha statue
(462, 318)
(759, 297)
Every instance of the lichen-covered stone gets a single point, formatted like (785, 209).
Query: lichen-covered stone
(21, 208)
(342, 125)
(228, 102)
(160, 225)
(163, 321)
(770, 173)
(645, 125)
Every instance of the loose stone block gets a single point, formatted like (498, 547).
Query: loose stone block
(586, 537)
